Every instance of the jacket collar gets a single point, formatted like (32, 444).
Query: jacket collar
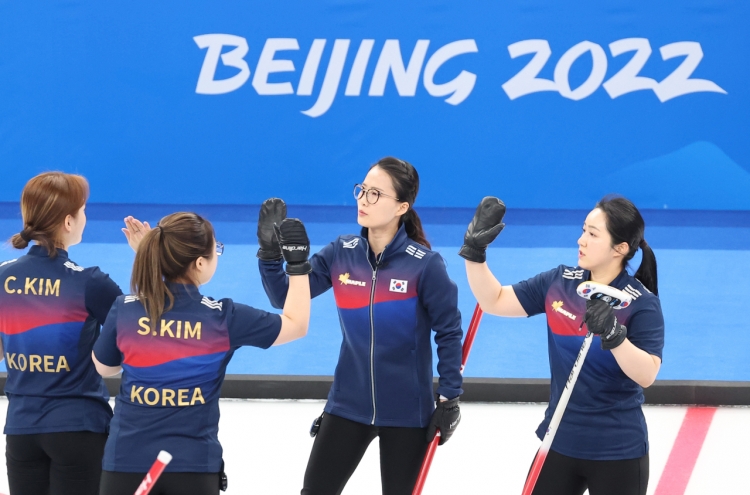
(396, 245)
(183, 290)
(37, 250)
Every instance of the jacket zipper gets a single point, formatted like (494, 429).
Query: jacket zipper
(372, 346)
(372, 328)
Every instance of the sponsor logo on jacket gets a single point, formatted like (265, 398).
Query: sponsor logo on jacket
(558, 306)
(345, 280)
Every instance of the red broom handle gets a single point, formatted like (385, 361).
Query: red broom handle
(153, 474)
(468, 342)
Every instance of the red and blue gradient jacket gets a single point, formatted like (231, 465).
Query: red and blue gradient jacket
(51, 310)
(388, 307)
(172, 376)
(603, 420)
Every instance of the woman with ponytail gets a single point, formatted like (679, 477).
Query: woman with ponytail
(173, 345)
(51, 310)
(602, 442)
(392, 291)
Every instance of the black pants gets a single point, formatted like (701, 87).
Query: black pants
(67, 463)
(563, 475)
(340, 445)
(116, 483)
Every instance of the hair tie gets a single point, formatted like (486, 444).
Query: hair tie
(643, 244)
(24, 235)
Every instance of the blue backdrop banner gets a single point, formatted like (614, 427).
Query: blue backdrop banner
(545, 103)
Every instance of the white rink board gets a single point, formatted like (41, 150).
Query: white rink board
(266, 447)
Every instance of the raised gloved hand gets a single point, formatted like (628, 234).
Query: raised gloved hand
(446, 418)
(272, 211)
(294, 246)
(486, 225)
(600, 320)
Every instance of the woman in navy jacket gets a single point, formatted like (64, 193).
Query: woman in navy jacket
(173, 345)
(50, 313)
(391, 292)
(601, 443)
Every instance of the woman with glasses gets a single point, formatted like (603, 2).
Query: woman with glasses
(392, 292)
(51, 310)
(173, 345)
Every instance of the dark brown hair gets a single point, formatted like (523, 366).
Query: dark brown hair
(46, 201)
(406, 183)
(625, 224)
(166, 253)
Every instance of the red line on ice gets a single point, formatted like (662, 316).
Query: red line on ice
(681, 462)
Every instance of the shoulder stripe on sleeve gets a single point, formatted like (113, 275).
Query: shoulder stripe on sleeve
(573, 274)
(350, 244)
(212, 304)
(417, 253)
(632, 291)
(129, 299)
(73, 266)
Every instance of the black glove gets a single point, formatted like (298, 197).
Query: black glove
(600, 319)
(486, 225)
(295, 246)
(272, 211)
(446, 418)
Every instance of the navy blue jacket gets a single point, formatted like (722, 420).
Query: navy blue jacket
(387, 309)
(603, 420)
(50, 313)
(172, 376)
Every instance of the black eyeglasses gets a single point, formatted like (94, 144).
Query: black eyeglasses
(219, 248)
(372, 195)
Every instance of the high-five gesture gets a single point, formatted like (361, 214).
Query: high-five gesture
(272, 211)
(294, 246)
(486, 225)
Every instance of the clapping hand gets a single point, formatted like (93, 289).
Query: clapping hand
(134, 231)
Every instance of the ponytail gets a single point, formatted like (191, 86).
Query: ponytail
(166, 254)
(147, 279)
(625, 224)
(23, 238)
(413, 226)
(646, 273)
(46, 239)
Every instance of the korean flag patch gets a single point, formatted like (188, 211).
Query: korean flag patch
(398, 286)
